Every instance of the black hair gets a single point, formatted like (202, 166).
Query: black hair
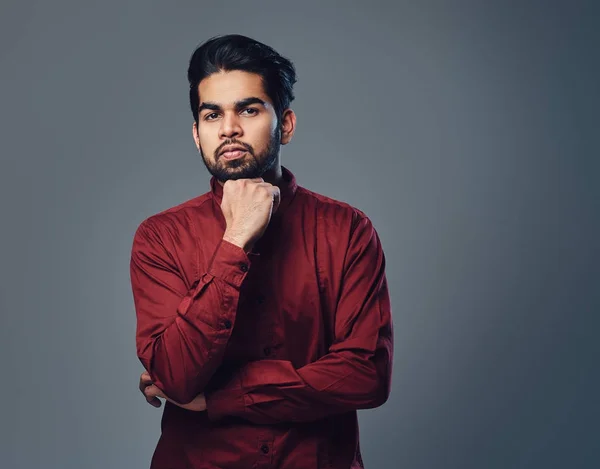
(236, 52)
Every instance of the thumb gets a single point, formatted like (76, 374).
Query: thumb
(276, 201)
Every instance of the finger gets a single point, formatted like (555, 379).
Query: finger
(144, 382)
(154, 402)
(150, 393)
(153, 391)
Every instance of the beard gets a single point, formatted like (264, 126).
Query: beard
(247, 167)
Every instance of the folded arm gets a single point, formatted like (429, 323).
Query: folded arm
(182, 330)
(354, 374)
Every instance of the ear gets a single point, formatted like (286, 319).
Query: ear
(288, 126)
(195, 135)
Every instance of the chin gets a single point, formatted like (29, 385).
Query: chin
(233, 174)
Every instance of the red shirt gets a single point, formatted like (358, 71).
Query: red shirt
(286, 342)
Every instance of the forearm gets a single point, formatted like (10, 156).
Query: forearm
(356, 371)
(181, 340)
(272, 391)
(184, 356)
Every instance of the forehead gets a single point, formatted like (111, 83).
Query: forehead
(227, 87)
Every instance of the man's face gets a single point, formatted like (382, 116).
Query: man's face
(235, 113)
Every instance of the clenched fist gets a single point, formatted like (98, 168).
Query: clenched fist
(247, 206)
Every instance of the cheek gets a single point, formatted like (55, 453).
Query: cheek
(264, 132)
(208, 142)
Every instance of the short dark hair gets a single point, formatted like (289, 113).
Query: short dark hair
(236, 52)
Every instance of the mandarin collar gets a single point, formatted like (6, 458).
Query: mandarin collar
(287, 188)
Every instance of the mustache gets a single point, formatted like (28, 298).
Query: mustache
(248, 148)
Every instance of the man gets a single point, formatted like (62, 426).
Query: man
(263, 313)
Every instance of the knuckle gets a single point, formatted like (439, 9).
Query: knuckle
(230, 185)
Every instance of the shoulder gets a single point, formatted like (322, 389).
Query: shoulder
(345, 231)
(173, 220)
(335, 213)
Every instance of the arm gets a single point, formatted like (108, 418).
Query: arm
(354, 374)
(182, 331)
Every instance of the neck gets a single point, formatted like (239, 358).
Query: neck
(274, 175)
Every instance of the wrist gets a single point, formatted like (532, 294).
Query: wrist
(237, 240)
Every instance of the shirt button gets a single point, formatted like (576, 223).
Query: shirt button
(267, 351)
(244, 267)
(264, 449)
(227, 324)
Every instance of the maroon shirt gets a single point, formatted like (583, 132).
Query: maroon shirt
(286, 342)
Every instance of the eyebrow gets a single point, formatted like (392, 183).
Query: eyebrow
(242, 103)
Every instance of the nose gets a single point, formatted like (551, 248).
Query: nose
(230, 126)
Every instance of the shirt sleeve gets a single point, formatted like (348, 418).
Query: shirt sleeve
(182, 329)
(354, 374)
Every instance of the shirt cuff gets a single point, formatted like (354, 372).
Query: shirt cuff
(230, 263)
(222, 403)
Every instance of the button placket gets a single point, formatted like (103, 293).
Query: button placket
(265, 450)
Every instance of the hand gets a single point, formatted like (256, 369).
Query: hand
(247, 206)
(152, 393)
(149, 390)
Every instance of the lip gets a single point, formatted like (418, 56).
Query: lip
(232, 148)
(233, 155)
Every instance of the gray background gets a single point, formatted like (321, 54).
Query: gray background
(465, 130)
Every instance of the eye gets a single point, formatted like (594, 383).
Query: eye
(211, 116)
(250, 111)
